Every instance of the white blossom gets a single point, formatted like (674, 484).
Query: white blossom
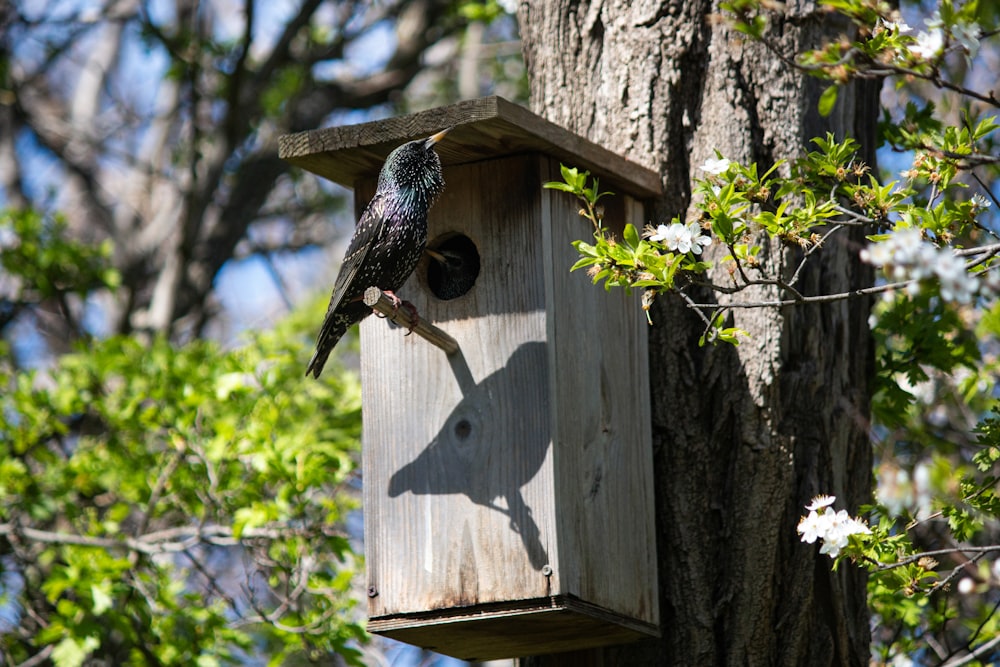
(956, 283)
(900, 27)
(922, 484)
(905, 256)
(813, 526)
(877, 254)
(990, 284)
(821, 501)
(966, 585)
(980, 202)
(929, 44)
(832, 528)
(715, 166)
(901, 660)
(8, 239)
(698, 240)
(663, 232)
(967, 34)
(681, 238)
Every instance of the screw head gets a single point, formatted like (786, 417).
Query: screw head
(547, 570)
(372, 591)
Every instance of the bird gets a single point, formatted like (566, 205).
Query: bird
(388, 241)
(454, 269)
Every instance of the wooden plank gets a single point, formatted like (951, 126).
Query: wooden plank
(457, 462)
(488, 632)
(484, 128)
(602, 441)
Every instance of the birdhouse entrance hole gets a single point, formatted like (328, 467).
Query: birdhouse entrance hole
(454, 265)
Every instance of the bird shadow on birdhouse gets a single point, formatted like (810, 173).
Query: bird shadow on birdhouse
(466, 456)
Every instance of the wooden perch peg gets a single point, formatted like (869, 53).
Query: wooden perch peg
(378, 301)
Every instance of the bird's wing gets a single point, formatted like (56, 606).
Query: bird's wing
(370, 229)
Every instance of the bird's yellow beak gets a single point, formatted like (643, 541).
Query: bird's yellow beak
(434, 138)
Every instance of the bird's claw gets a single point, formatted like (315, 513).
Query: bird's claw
(398, 303)
(414, 317)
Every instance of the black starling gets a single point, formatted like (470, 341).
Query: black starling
(388, 241)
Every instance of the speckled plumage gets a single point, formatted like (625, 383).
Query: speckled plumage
(388, 241)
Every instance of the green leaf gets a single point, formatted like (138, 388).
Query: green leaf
(71, 652)
(631, 236)
(585, 249)
(556, 185)
(584, 262)
(569, 174)
(101, 596)
(827, 100)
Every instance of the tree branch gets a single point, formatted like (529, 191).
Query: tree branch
(170, 540)
(881, 567)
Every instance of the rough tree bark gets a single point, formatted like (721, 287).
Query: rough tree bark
(744, 436)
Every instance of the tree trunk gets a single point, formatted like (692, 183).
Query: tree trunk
(744, 436)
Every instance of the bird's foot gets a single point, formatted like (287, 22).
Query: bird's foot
(414, 316)
(398, 303)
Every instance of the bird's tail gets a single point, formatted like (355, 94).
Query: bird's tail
(328, 338)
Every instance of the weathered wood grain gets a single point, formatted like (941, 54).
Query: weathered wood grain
(517, 469)
(458, 478)
(484, 128)
(560, 623)
(601, 425)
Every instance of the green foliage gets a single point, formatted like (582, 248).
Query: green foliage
(137, 476)
(915, 336)
(578, 184)
(827, 100)
(474, 10)
(284, 86)
(47, 261)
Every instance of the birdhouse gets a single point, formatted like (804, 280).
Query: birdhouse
(508, 487)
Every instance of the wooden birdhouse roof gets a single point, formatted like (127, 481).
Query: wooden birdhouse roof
(484, 128)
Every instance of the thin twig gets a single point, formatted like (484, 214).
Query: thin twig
(975, 654)
(816, 246)
(981, 551)
(39, 657)
(377, 300)
(822, 298)
(886, 70)
(955, 572)
(859, 219)
(170, 540)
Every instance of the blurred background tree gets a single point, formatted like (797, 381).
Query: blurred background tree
(155, 125)
(173, 491)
